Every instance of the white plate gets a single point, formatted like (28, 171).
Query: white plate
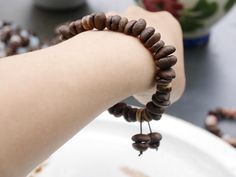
(103, 149)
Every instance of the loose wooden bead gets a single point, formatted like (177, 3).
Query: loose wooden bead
(138, 27)
(72, 28)
(79, 27)
(141, 138)
(65, 32)
(152, 108)
(167, 62)
(122, 24)
(164, 52)
(100, 21)
(146, 34)
(157, 46)
(152, 40)
(85, 23)
(166, 74)
(108, 22)
(140, 146)
(129, 26)
(115, 22)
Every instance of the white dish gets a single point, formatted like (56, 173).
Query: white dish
(103, 149)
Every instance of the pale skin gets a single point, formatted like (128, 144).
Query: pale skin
(47, 96)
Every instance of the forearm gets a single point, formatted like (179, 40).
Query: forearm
(48, 95)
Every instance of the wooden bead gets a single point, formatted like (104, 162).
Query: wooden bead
(115, 22)
(129, 26)
(167, 62)
(155, 137)
(108, 22)
(151, 115)
(117, 109)
(72, 28)
(159, 103)
(122, 24)
(65, 32)
(157, 46)
(164, 89)
(138, 27)
(154, 145)
(167, 74)
(140, 146)
(100, 21)
(141, 138)
(79, 27)
(164, 52)
(163, 82)
(90, 21)
(162, 96)
(152, 40)
(85, 23)
(146, 34)
(152, 108)
(129, 114)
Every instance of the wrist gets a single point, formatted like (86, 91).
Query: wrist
(128, 64)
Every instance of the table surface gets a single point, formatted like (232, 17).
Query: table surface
(210, 74)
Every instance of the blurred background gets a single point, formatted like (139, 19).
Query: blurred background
(209, 35)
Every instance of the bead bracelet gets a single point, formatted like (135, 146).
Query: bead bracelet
(217, 115)
(163, 78)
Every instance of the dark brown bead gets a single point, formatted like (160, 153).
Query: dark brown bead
(72, 28)
(79, 27)
(164, 89)
(115, 22)
(167, 62)
(215, 130)
(122, 24)
(108, 22)
(155, 137)
(132, 114)
(141, 138)
(146, 34)
(152, 40)
(152, 108)
(5, 33)
(154, 145)
(138, 27)
(140, 146)
(65, 32)
(129, 26)
(163, 82)
(119, 107)
(85, 21)
(100, 21)
(166, 74)
(90, 21)
(164, 52)
(126, 113)
(162, 96)
(152, 116)
(157, 46)
(159, 103)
